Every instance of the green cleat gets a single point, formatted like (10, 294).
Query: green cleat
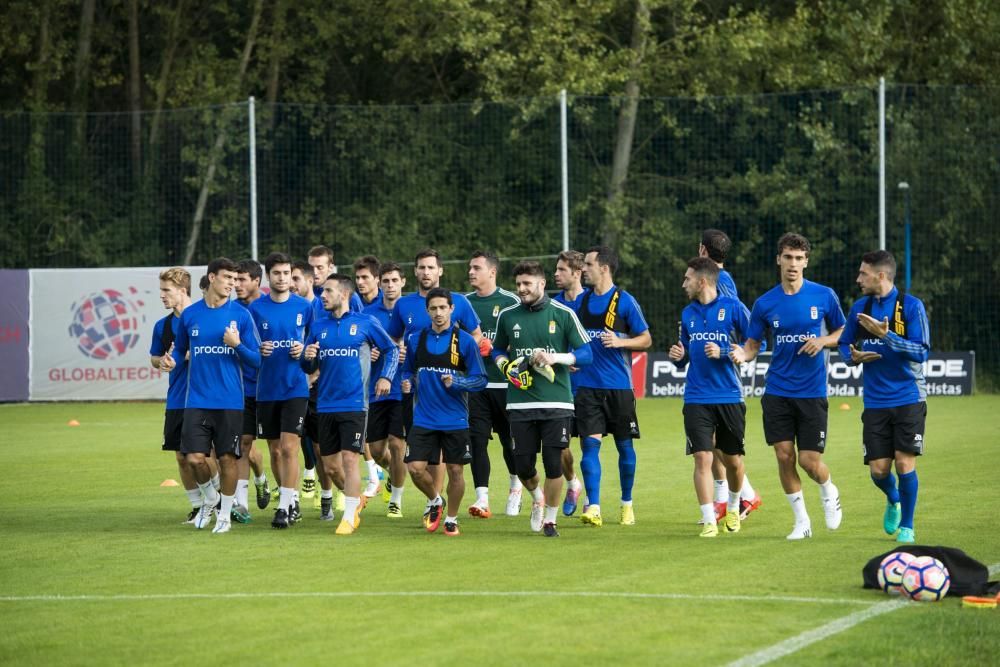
(732, 522)
(906, 536)
(890, 521)
(387, 491)
(239, 514)
(709, 530)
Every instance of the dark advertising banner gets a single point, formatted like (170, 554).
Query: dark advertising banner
(14, 335)
(946, 373)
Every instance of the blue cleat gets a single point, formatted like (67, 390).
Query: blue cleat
(906, 536)
(891, 519)
(572, 498)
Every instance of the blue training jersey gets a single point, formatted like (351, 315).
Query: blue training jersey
(898, 377)
(726, 285)
(345, 358)
(280, 377)
(575, 307)
(811, 312)
(177, 380)
(410, 314)
(616, 309)
(436, 406)
(723, 321)
(378, 310)
(249, 372)
(215, 371)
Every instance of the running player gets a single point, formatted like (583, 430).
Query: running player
(488, 408)
(797, 311)
(714, 412)
(321, 261)
(221, 337)
(247, 289)
(536, 343)
(339, 346)
(282, 319)
(605, 401)
(442, 364)
(366, 283)
(887, 331)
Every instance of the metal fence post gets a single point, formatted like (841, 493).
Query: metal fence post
(252, 129)
(564, 159)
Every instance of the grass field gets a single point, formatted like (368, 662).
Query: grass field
(97, 568)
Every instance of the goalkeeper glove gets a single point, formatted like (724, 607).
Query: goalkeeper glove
(516, 372)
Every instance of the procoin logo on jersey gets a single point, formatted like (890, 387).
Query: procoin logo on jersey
(552, 326)
(814, 312)
(722, 314)
(354, 329)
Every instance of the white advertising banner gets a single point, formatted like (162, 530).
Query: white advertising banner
(91, 330)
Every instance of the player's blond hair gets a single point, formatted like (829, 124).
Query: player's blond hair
(177, 276)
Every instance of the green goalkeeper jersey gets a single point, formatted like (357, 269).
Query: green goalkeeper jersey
(546, 325)
(488, 309)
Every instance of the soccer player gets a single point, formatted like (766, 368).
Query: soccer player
(321, 261)
(568, 278)
(887, 331)
(715, 245)
(302, 285)
(366, 283)
(442, 364)
(385, 413)
(175, 294)
(222, 338)
(805, 318)
(339, 346)
(488, 408)
(605, 402)
(714, 412)
(536, 343)
(282, 319)
(248, 277)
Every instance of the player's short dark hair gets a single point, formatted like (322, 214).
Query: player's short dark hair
(492, 260)
(274, 259)
(705, 267)
(794, 241)
(303, 266)
(717, 244)
(345, 282)
(369, 262)
(389, 267)
(203, 283)
(605, 257)
(321, 251)
(881, 260)
(573, 259)
(438, 293)
(529, 267)
(179, 277)
(225, 264)
(249, 266)
(427, 252)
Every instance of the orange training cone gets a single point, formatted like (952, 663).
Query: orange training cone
(169, 482)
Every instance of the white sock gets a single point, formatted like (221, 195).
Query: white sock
(397, 495)
(372, 470)
(284, 498)
(227, 506)
(574, 484)
(537, 494)
(194, 497)
(351, 504)
(550, 514)
(721, 490)
(708, 513)
(798, 504)
(626, 503)
(215, 482)
(326, 494)
(515, 483)
(261, 479)
(733, 504)
(310, 473)
(451, 519)
(242, 492)
(209, 494)
(438, 501)
(746, 491)
(827, 489)
(483, 494)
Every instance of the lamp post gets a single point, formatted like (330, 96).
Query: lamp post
(905, 187)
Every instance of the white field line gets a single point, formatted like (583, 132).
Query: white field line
(836, 626)
(430, 594)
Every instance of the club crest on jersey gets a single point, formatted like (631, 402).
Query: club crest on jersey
(496, 310)
(298, 320)
(552, 326)
(814, 313)
(232, 324)
(722, 314)
(354, 329)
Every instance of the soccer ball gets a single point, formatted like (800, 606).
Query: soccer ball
(926, 579)
(890, 572)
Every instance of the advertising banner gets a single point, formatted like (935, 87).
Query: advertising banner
(91, 330)
(946, 373)
(14, 308)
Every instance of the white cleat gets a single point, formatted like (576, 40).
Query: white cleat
(800, 532)
(832, 511)
(222, 525)
(536, 516)
(204, 516)
(514, 502)
(372, 489)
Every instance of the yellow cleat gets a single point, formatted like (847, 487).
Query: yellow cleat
(709, 530)
(387, 491)
(592, 516)
(345, 528)
(627, 516)
(732, 522)
(394, 511)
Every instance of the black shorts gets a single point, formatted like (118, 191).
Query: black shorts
(726, 422)
(342, 432)
(488, 414)
(798, 420)
(385, 418)
(424, 444)
(205, 430)
(528, 437)
(249, 416)
(606, 411)
(891, 430)
(277, 417)
(310, 427)
(173, 424)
